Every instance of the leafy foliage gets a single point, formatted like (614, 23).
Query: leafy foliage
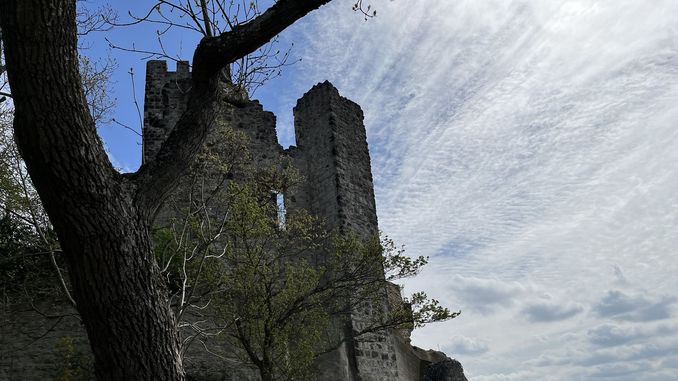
(18, 262)
(24, 228)
(75, 365)
(241, 276)
(29, 250)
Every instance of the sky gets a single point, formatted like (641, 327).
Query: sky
(527, 147)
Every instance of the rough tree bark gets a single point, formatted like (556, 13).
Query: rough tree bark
(102, 218)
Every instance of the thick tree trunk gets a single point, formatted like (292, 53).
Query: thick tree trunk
(104, 235)
(119, 292)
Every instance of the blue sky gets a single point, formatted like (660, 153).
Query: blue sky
(529, 148)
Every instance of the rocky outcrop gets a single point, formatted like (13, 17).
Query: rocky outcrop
(446, 370)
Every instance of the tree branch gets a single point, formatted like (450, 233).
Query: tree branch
(206, 18)
(213, 53)
(157, 177)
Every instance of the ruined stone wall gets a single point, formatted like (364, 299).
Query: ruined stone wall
(44, 339)
(166, 98)
(38, 337)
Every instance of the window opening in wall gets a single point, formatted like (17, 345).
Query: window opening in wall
(282, 212)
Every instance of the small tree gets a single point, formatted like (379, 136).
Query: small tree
(275, 290)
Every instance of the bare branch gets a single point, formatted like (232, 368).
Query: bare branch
(126, 127)
(134, 97)
(98, 20)
(206, 18)
(367, 11)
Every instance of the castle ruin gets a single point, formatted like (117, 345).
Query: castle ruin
(332, 157)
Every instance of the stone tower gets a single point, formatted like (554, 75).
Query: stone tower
(165, 100)
(333, 157)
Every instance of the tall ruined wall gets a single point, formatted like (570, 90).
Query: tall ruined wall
(333, 156)
(333, 159)
(165, 100)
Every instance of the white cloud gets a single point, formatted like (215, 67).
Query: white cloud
(618, 371)
(484, 295)
(670, 363)
(508, 376)
(621, 306)
(468, 346)
(612, 335)
(550, 311)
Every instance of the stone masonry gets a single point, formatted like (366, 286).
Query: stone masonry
(332, 157)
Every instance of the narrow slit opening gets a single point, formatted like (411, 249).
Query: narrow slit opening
(282, 212)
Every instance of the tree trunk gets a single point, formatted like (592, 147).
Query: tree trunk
(103, 233)
(120, 294)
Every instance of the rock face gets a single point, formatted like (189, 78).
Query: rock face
(333, 157)
(447, 370)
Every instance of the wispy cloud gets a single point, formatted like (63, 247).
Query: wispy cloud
(121, 166)
(610, 335)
